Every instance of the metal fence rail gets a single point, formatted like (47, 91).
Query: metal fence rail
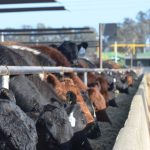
(14, 70)
(6, 71)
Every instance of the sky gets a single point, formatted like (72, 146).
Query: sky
(79, 13)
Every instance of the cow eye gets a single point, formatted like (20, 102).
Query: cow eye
(82, 92)
(65, 105)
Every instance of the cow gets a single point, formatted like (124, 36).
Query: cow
(68, 85)
(99, 104)
(54, 127)
(79, 124)
(70, 50)
(17, 130)
(90, 131)
(121, 84)
(130, 77)
(95, 96)
(110, 65)
(31, 100)
(84, 63)
(52, 53)
(32, 56)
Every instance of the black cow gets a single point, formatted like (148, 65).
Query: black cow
(17, 130)
(78, 121)
(54, 129)
(70, 50)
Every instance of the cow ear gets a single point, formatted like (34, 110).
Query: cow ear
(49, 107)
(7, 94)
(90, 90)
(51, 79)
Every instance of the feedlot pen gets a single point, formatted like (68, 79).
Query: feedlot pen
(118, 116)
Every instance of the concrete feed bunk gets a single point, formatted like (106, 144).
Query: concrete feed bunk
(135, 135)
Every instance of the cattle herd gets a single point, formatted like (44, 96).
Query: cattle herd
(52, 111)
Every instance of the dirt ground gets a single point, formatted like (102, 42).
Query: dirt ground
(118, 117)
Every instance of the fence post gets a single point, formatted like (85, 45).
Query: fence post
(2, 37)
(116, 51)
(85, 78)
(5, 81)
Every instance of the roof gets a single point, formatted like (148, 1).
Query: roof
(6, 10)
(24, 1)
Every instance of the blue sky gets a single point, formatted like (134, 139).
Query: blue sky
(79, 13)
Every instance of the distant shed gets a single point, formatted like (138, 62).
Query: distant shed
(138, 60)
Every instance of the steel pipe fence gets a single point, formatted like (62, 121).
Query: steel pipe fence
(6, 71)
(14, 70)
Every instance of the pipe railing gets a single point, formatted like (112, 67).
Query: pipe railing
(14, 70)
(6, 71)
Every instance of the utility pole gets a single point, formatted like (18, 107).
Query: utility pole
(100, 45)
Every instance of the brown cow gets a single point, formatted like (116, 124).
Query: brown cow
(95, 96)
(129, 79)
(77, 81)
(103, 87)
(110, 65)
(60, 59)
(99, 104)
(67, 84)
(94, 78)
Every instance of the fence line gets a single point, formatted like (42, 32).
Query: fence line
(6, 71)
(14, 70)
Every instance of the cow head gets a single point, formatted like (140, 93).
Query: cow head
(70, 50)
